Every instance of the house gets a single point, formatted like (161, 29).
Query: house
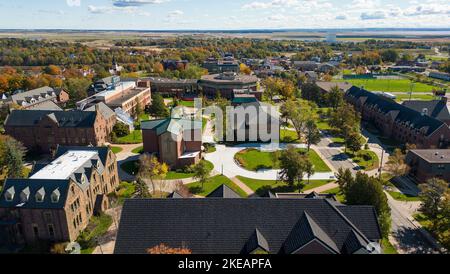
(306, 65)
(226, 224)
(44, 130)
(429, 163)
(438, 109)
(176, 141)
(311, 77)
(399, 122)
(440, 75)
(109, 115)
(226, 83)
(175, 64)
(33, 98)
(59, 198)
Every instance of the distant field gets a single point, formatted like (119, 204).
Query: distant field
(389, 85)
(405, 97)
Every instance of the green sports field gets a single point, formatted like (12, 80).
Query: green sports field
(389, 85)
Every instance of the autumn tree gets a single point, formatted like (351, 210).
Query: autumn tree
(165, 249)
(245, 69)
(52, 70)
(312, 133)
(396, 164)
(151, 169)
(293, 165)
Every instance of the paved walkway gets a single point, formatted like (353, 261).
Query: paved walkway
(223, 158)
(243, 186)
(108, 240)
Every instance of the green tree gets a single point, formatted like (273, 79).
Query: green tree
(158, 108)
(12, 154)
(432, 193)
(344, 179)
(77, 88)
(312, 133)
(121, 130)
(335, 97)
(309, 169)
(201, 172)
(389, 55)
(353, 141)
(292, 166)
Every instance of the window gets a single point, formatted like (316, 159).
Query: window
(51, 231)
(35, 230)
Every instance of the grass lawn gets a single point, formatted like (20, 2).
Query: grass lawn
(403, 197)
(175, 175)
(97, 227)
(210, 148)
(253, 159)
(212, 184)
(116, 149)
(144, 117)
(138, 150)
(288, 136)
(388, 248)
(366, 159)
(337, 193)
(415, 96)
(126, 190)
(390, 85)
(261, 187)
(134, 137)
(323, 125)
(338, 140)
(189, 104)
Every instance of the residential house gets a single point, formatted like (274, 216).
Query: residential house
(35, 97)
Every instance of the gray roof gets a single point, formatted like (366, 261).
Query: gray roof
(223, 191)
(225, 226)
(255, 242)
(433, 155)
(46, 105)
(30, 118)
(398, 112)
(328, 86)
(39, 94)
(437, 109)
(173, 125)
(104, 110)
(102, 151)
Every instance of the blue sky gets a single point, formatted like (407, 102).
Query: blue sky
(222, 14)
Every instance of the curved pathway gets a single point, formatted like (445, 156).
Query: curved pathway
(224, 163)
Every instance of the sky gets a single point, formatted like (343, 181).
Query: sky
(222, 14)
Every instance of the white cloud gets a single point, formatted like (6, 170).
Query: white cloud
(341, 17)
(277, 18)
(373, 15)
(428, 9)
(272, 4)
(109, 10)
(73, 3)
(175, 13)
(136, 3)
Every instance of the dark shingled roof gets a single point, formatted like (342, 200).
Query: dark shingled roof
(34, 185)
(437, 109)
(255, 242)
(223, 191)
(29, 118)
(224, 226)
(400, 113)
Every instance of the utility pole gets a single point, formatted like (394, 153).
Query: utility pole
(381, 163)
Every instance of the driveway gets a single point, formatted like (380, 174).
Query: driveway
(224, 163)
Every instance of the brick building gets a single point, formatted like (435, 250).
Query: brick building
(57, 201)
(33, 98)
(399, 122)
(226, 64)
(176, 142)
(228, 83)
(44, 130)
(426, 164)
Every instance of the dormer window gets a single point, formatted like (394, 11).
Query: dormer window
(40, 194)
(55, 196)
(25, 194)
(9, 194)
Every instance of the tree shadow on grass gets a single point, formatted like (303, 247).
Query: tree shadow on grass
(264, 191)
(196, 190)
(413, 241)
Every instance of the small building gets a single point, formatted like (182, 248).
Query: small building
(226, 83)
(57, 201)
(440, 75)
(44, 130)
(173, 87)
(306, 65)
(429, 163)
(35, 97)
(103, 84)
(176, 141)
(227, 224)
